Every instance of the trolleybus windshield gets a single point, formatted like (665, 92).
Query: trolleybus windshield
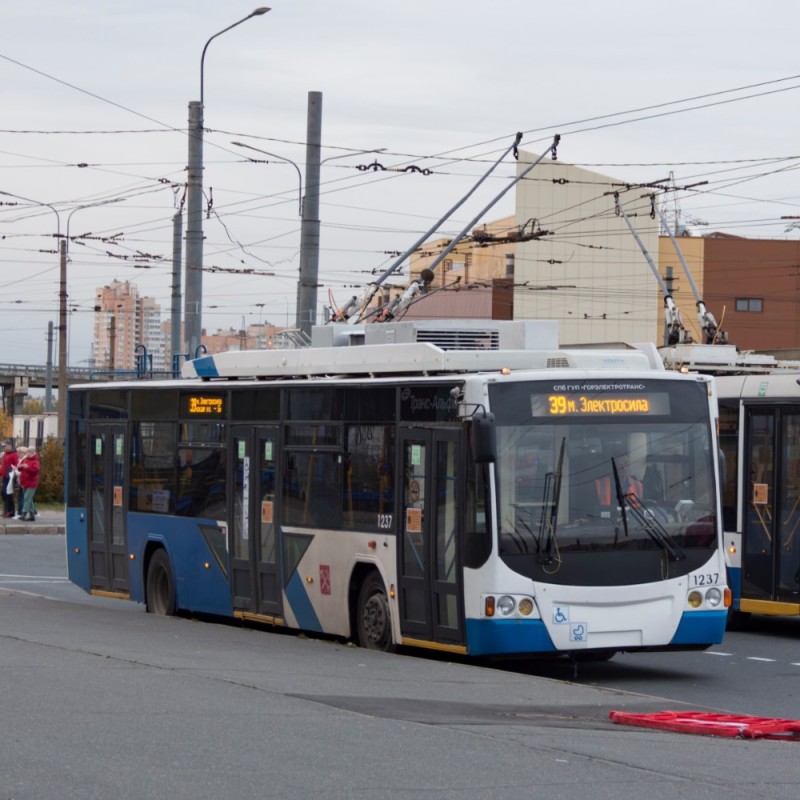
(604, 482)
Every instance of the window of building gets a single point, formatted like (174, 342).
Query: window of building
(754, 304)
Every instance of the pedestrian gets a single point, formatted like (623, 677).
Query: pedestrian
(28, 467)
(8, 466)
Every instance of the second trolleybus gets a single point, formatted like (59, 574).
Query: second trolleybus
(472, 488)
(760, 437)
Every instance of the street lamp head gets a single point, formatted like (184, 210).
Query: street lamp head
(260, 10)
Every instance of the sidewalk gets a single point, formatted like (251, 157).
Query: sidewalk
(47, 522)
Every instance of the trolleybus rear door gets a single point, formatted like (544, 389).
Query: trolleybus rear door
(108, 507)
(429, 547)
(254, 542)
(771, 532)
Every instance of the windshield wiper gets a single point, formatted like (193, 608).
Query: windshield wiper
(549, 519)
(652, 527)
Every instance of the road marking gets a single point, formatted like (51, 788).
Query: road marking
(717, 653)
(756, 658)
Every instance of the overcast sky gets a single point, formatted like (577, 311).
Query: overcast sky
(95, 98)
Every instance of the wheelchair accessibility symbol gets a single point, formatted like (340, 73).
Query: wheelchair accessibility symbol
(560, 615)
(578, 632)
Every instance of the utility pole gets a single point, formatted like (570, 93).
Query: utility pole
(309, 227)
(175, 319)
(48, 391)
(193, 299)
(62, 341)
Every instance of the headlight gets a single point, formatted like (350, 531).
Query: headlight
(525, 606)
(713, 597)
(695, 599)
(506, 605)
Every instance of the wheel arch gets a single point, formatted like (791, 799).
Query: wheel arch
(361, 571)
(151, 547)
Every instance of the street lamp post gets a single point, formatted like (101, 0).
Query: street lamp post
(309, 213)
(193, 298)
(62, 299)
(62, 318)
(280, 158)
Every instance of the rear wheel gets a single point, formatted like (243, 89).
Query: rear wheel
(160, 588)
(374, 621)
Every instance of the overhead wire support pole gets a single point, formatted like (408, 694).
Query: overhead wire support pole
(363, 303)
(674, 331)
(405, 299)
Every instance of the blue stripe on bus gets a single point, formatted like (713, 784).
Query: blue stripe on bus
(701, 627)
(498, 636)
(77, 548)
(300, 604)
(205, 367)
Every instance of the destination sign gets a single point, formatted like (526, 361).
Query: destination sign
(204, 406)
(601, 404)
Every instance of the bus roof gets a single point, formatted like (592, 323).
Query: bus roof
(421, 348)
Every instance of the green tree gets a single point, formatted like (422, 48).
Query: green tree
(6, 425)
(33, 405)
(51, 472)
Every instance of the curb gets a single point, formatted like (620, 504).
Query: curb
(22, 528)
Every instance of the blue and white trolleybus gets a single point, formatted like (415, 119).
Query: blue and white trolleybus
(467, 487)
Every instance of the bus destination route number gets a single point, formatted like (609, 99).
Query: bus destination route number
(578, 404)
(206, 406)
(560, 404)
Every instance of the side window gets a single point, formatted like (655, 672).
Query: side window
(368, 480)
(76, 474)
(312, 488)
(728, 441)
(152, 482)
(201, 482)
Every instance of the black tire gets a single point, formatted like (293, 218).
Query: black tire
(738, 620)
(373, 617)
(160, 586)
(595, 656)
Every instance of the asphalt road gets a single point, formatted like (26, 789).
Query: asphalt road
(99, 699)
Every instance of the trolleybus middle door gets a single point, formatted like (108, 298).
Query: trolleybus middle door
(430, 582)
(771, 532)
(254, 544)
(107, 532)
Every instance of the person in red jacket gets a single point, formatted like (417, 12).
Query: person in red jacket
(8, 464)
(28, 468)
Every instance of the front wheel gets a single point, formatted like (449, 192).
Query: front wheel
(374, 621)
(160, 587)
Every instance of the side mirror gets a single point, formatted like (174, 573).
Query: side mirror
(484, 438)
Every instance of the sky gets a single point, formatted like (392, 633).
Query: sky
(95, 102)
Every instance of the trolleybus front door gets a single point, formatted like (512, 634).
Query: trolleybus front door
(429, 547)
(108, 556)
(771, 532)
(255, 551)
